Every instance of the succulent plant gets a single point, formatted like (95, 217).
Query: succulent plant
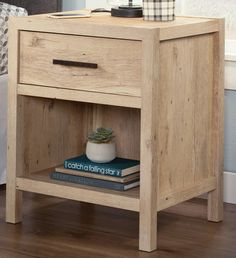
(101, 135)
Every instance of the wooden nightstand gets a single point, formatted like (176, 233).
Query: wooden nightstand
(158, 85)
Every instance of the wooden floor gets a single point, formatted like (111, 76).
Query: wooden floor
(56, 228)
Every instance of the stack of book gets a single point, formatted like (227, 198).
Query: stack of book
(119, 174)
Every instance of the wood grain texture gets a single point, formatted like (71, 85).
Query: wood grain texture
(162, 100)
(52, 131)
(185, 194)
(118, 72)
(185, 110)
(14, 115)
(126, 125)
(215, 198)
(149, 144)
(42, 184)
(79, 96)
(190, 29)
(103, 25)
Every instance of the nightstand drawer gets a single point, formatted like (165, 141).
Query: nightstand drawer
(78, 62)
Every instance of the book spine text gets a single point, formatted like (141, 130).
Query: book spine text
(92, 168)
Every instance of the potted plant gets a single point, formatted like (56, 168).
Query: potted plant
(100, 146)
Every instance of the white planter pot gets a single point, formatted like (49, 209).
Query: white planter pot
(101, 152)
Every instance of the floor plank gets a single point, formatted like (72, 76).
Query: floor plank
(57, 228)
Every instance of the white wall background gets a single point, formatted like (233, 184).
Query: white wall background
(215, 8)
(68, 5)
(96, 3)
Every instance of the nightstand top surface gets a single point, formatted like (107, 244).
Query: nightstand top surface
(107, 19)
(99, 22)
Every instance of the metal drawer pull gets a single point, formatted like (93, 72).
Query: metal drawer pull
(76, 64)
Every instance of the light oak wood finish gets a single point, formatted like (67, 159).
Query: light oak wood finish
(118, 71)
(126, 125)
(159, 87)
(113, 27)
(50, 129)
(41, 183)
(83, 96)
(185, 111)
(149, 144)
(14, 197)
(215, 198)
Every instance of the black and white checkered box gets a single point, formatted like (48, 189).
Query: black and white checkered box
(159, 10)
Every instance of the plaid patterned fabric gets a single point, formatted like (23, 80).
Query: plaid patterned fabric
(6, 10)
(159, 10)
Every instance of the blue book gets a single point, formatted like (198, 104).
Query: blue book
(118, 167)
(94, 182)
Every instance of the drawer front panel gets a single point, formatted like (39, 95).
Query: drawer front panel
(83, 63)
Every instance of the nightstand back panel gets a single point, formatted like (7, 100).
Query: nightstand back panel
(81, 63)
(53, 130)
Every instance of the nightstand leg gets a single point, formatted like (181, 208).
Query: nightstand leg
(215, 198)
(14, 162)
(215, 202)
(148, 199)
(13, 205)
(14, 197)
(147, 226)
(149, 143)
(215, 206)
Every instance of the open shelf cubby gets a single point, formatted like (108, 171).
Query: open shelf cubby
(54, 130)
